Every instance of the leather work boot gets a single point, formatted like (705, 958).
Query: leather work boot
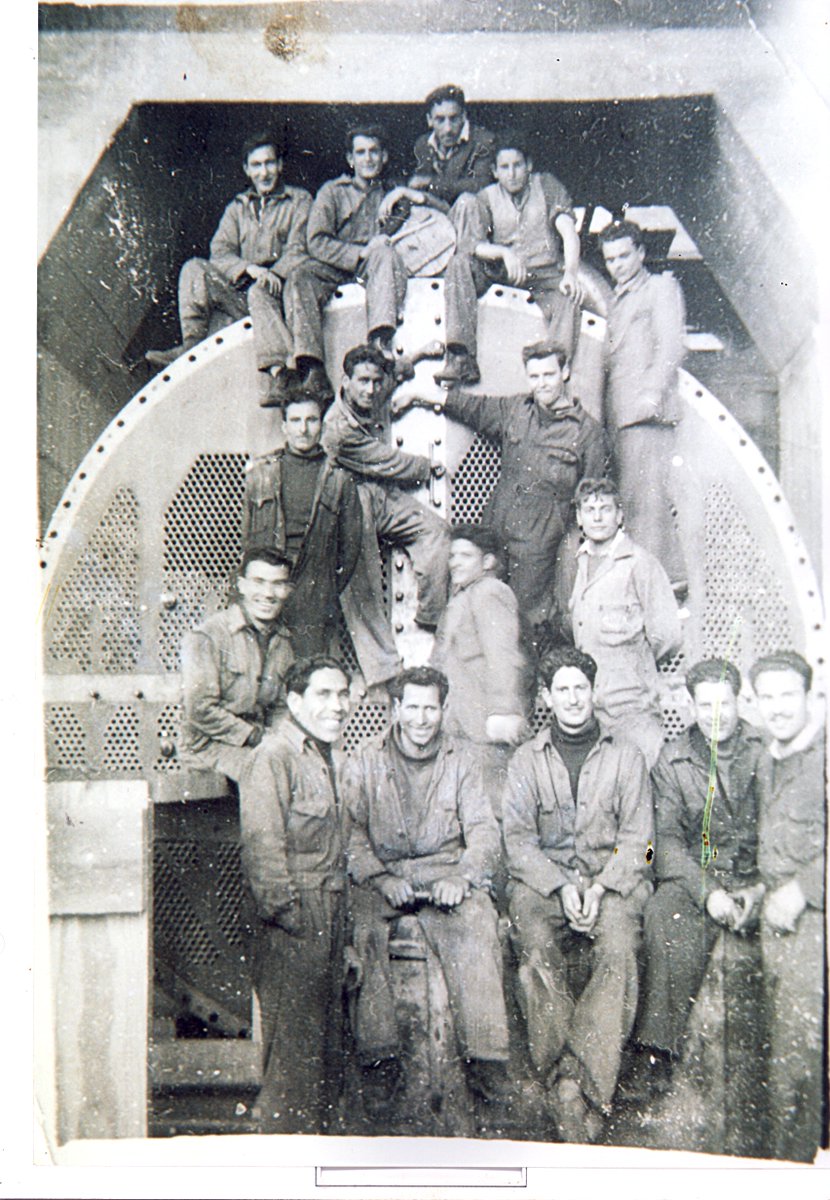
(316, 380)
(458, 367)
(279, 385)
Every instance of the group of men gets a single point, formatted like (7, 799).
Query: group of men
(591, 838)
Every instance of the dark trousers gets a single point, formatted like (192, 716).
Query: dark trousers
(298, 982)
(678, 938)
(794, 974)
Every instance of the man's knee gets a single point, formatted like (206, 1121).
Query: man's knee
(194, 273)
(531, 915)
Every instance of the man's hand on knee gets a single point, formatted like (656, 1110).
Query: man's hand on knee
(571, 904)
(395, 891)
(449, 893)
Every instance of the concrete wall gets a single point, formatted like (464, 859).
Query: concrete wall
(751, 211)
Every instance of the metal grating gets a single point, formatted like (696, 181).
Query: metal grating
(473, 481)
(121, 741)
(96, 617)
(745, 613)
(180, 935)
(228, 891)
(202, 547)
(168, 727)
(366, 722)
(66, 739)
(675, 718)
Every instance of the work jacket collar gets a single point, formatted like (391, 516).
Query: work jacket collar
(693, 746)
(633, 285)
(251, 195)
(621, 546)
(568, 412)
(543, 743)
(463, 137)
(803, 741)
(238, 620)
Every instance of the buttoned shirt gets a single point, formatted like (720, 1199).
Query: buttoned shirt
(290, 821)
(230, 684)
(601, 835)
(269, 231)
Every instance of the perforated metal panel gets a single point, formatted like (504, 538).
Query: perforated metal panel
(365, 723)
(474, 480)
(168, 725)
(121, 742)
(746, 613)
(95, 620)
(65, 739)
(202, 547)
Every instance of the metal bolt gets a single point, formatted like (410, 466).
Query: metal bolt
(399, 596)
(399, 628)
(398, 564)
(139, 695)
(95, 695)
(167, 748)
(168, 600)
(399, 441)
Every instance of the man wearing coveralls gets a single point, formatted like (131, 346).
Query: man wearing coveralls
(644, 349)
(292, 859)
(791, 861)
(578, 827)
(346, 242)
(356, 436)
(705, 864)
(624, 614)
(260, 239)
(233, 668)
(548, 442)
(422, 831)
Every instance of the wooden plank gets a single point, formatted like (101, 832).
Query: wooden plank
(97, 841)
(99, 985)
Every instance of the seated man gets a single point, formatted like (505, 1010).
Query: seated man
(261, 236)
(577, 832)
(792, 863)
(345, 241)
(423, 836)
(519, 230)
(705, 862)
(292, 860)
(455, 156)
(644, 348)
(548, 442)
(356, 436)
(233, 668)
(624, 614)
(478, 646)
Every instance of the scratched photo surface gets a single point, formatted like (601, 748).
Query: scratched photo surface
(608, 929)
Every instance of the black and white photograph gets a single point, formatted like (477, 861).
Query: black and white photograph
(433, 660)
